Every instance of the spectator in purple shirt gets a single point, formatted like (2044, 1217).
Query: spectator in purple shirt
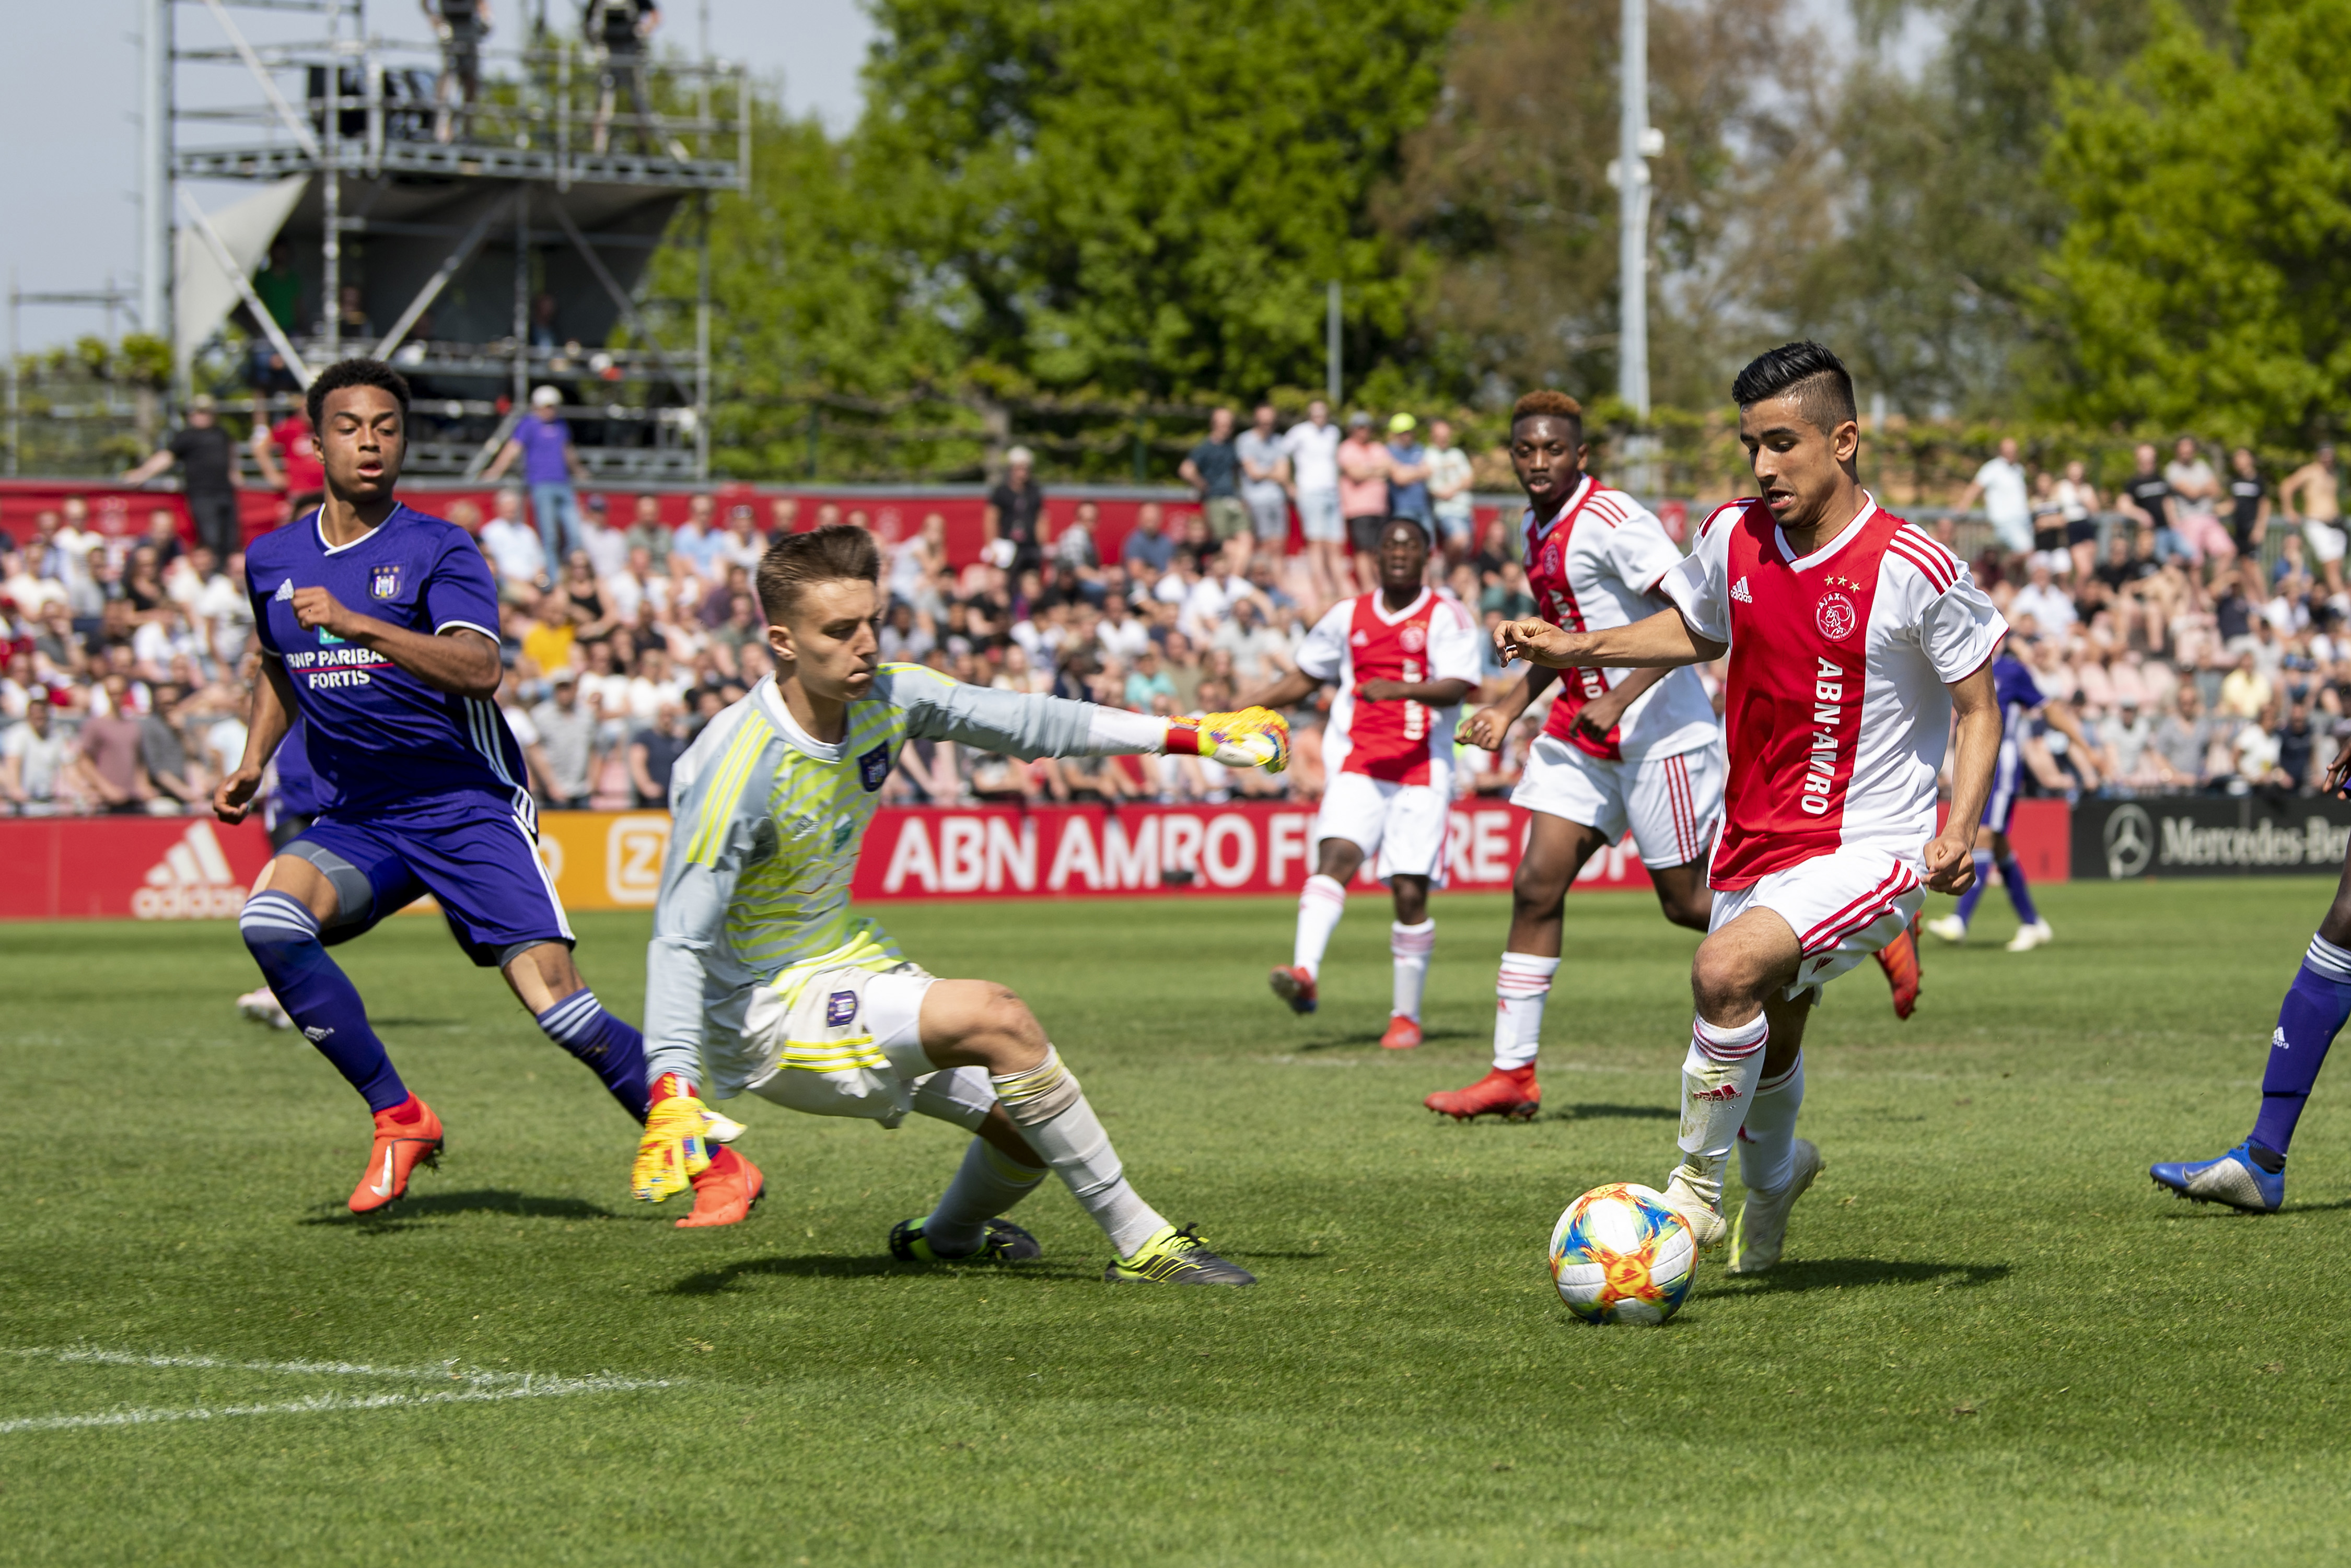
(550, 466)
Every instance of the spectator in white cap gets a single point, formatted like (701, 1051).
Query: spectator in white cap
(1015, 513)
(550, 468)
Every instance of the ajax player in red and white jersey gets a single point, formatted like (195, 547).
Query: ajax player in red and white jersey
(1623, 751)
(1854, 640)
(1403, 658)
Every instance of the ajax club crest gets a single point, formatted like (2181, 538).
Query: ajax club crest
(383, 582)
(1413, 639)
(1836, 617)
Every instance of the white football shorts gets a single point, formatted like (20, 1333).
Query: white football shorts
(1671, 805)
(848, 1042)
(2324, 539)
(1842, 906)
(1403, 824)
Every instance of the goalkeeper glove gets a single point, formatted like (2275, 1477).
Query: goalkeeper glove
(675, 1147)
(1253, 738)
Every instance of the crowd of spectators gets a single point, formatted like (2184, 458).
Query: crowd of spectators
(129, 657)
(2198, 658)
(2195, 619)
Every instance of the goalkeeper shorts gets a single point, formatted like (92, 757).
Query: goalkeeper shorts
(849, 1043)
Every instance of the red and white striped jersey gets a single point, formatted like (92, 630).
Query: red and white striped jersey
(1838, 711)
(1359, 640)
(1597, 566)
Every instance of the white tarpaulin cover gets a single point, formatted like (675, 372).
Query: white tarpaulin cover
(202, 296)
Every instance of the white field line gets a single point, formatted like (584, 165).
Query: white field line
(476, 1387)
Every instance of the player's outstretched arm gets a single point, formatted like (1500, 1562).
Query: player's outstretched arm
(1284, 691)
(1604, 713)
(460, 662)
(1022, 725)
(1490, 724)
(268, 716)
(1448, 693)
(712, 838)
(1664, 639)
(2062, 720)
(1951, 868)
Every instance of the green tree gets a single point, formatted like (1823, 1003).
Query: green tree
(1150, 199)
(1924, 272)
(1507, 185)
(2201, 278)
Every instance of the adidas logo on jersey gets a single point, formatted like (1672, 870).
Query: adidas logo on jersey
(192, 882)
(1738, 591)
(284, 590)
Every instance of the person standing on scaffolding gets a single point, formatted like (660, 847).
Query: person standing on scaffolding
(460, 25)
(620, 28)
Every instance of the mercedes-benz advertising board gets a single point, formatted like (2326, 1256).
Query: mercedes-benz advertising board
(2209, 836)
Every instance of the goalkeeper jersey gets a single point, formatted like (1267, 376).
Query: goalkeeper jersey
(768, 823)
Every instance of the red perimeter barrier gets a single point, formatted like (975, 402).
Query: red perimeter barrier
(185, 868)
(144, 868)
(2041, 836)
(1067, 852)
(118, 510)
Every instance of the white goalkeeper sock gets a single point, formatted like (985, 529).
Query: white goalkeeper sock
(989, 1182)
(1410, 946)
(1319, 905)
(1051, 1110)
(1767, 1143)
(1717, 1088)
(1520, 988)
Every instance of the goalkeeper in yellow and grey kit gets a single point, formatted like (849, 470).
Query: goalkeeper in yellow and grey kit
(760, 978)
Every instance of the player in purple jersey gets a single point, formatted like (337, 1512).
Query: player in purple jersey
(2317, 1003)
(2021, 703)
(378, 627)
(291, 799)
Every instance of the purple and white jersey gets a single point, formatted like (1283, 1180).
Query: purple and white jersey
(379, 738)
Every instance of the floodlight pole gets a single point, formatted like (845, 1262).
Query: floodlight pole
(16, 432)
(1635, 147)
(1331, 365)
(155, 171)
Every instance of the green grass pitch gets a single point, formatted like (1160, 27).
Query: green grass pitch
(1993, 1342)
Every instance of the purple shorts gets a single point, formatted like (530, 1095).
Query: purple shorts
(482, 867)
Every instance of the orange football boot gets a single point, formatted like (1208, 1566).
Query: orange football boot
(725, 1191)
(1294, 985)
(1402, 1033)
(1509, 1093)
(1900, 959)
(400, 1148)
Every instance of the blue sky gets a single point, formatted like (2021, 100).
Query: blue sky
(69, 100)
(69, 103)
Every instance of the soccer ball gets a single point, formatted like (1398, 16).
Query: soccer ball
(1620, 1255)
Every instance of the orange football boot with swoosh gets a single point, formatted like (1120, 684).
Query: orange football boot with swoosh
(725, 1191)
(400, 1148)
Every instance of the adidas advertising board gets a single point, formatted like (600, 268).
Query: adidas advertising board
(139, 868)
(188, 868)
(193, 868)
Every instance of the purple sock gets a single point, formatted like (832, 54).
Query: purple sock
(282, 936)
(1974, 895)
(613, 1051)
(2313, 1014)
(2012, 876)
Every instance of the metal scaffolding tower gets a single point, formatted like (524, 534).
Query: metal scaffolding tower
(484, 246)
